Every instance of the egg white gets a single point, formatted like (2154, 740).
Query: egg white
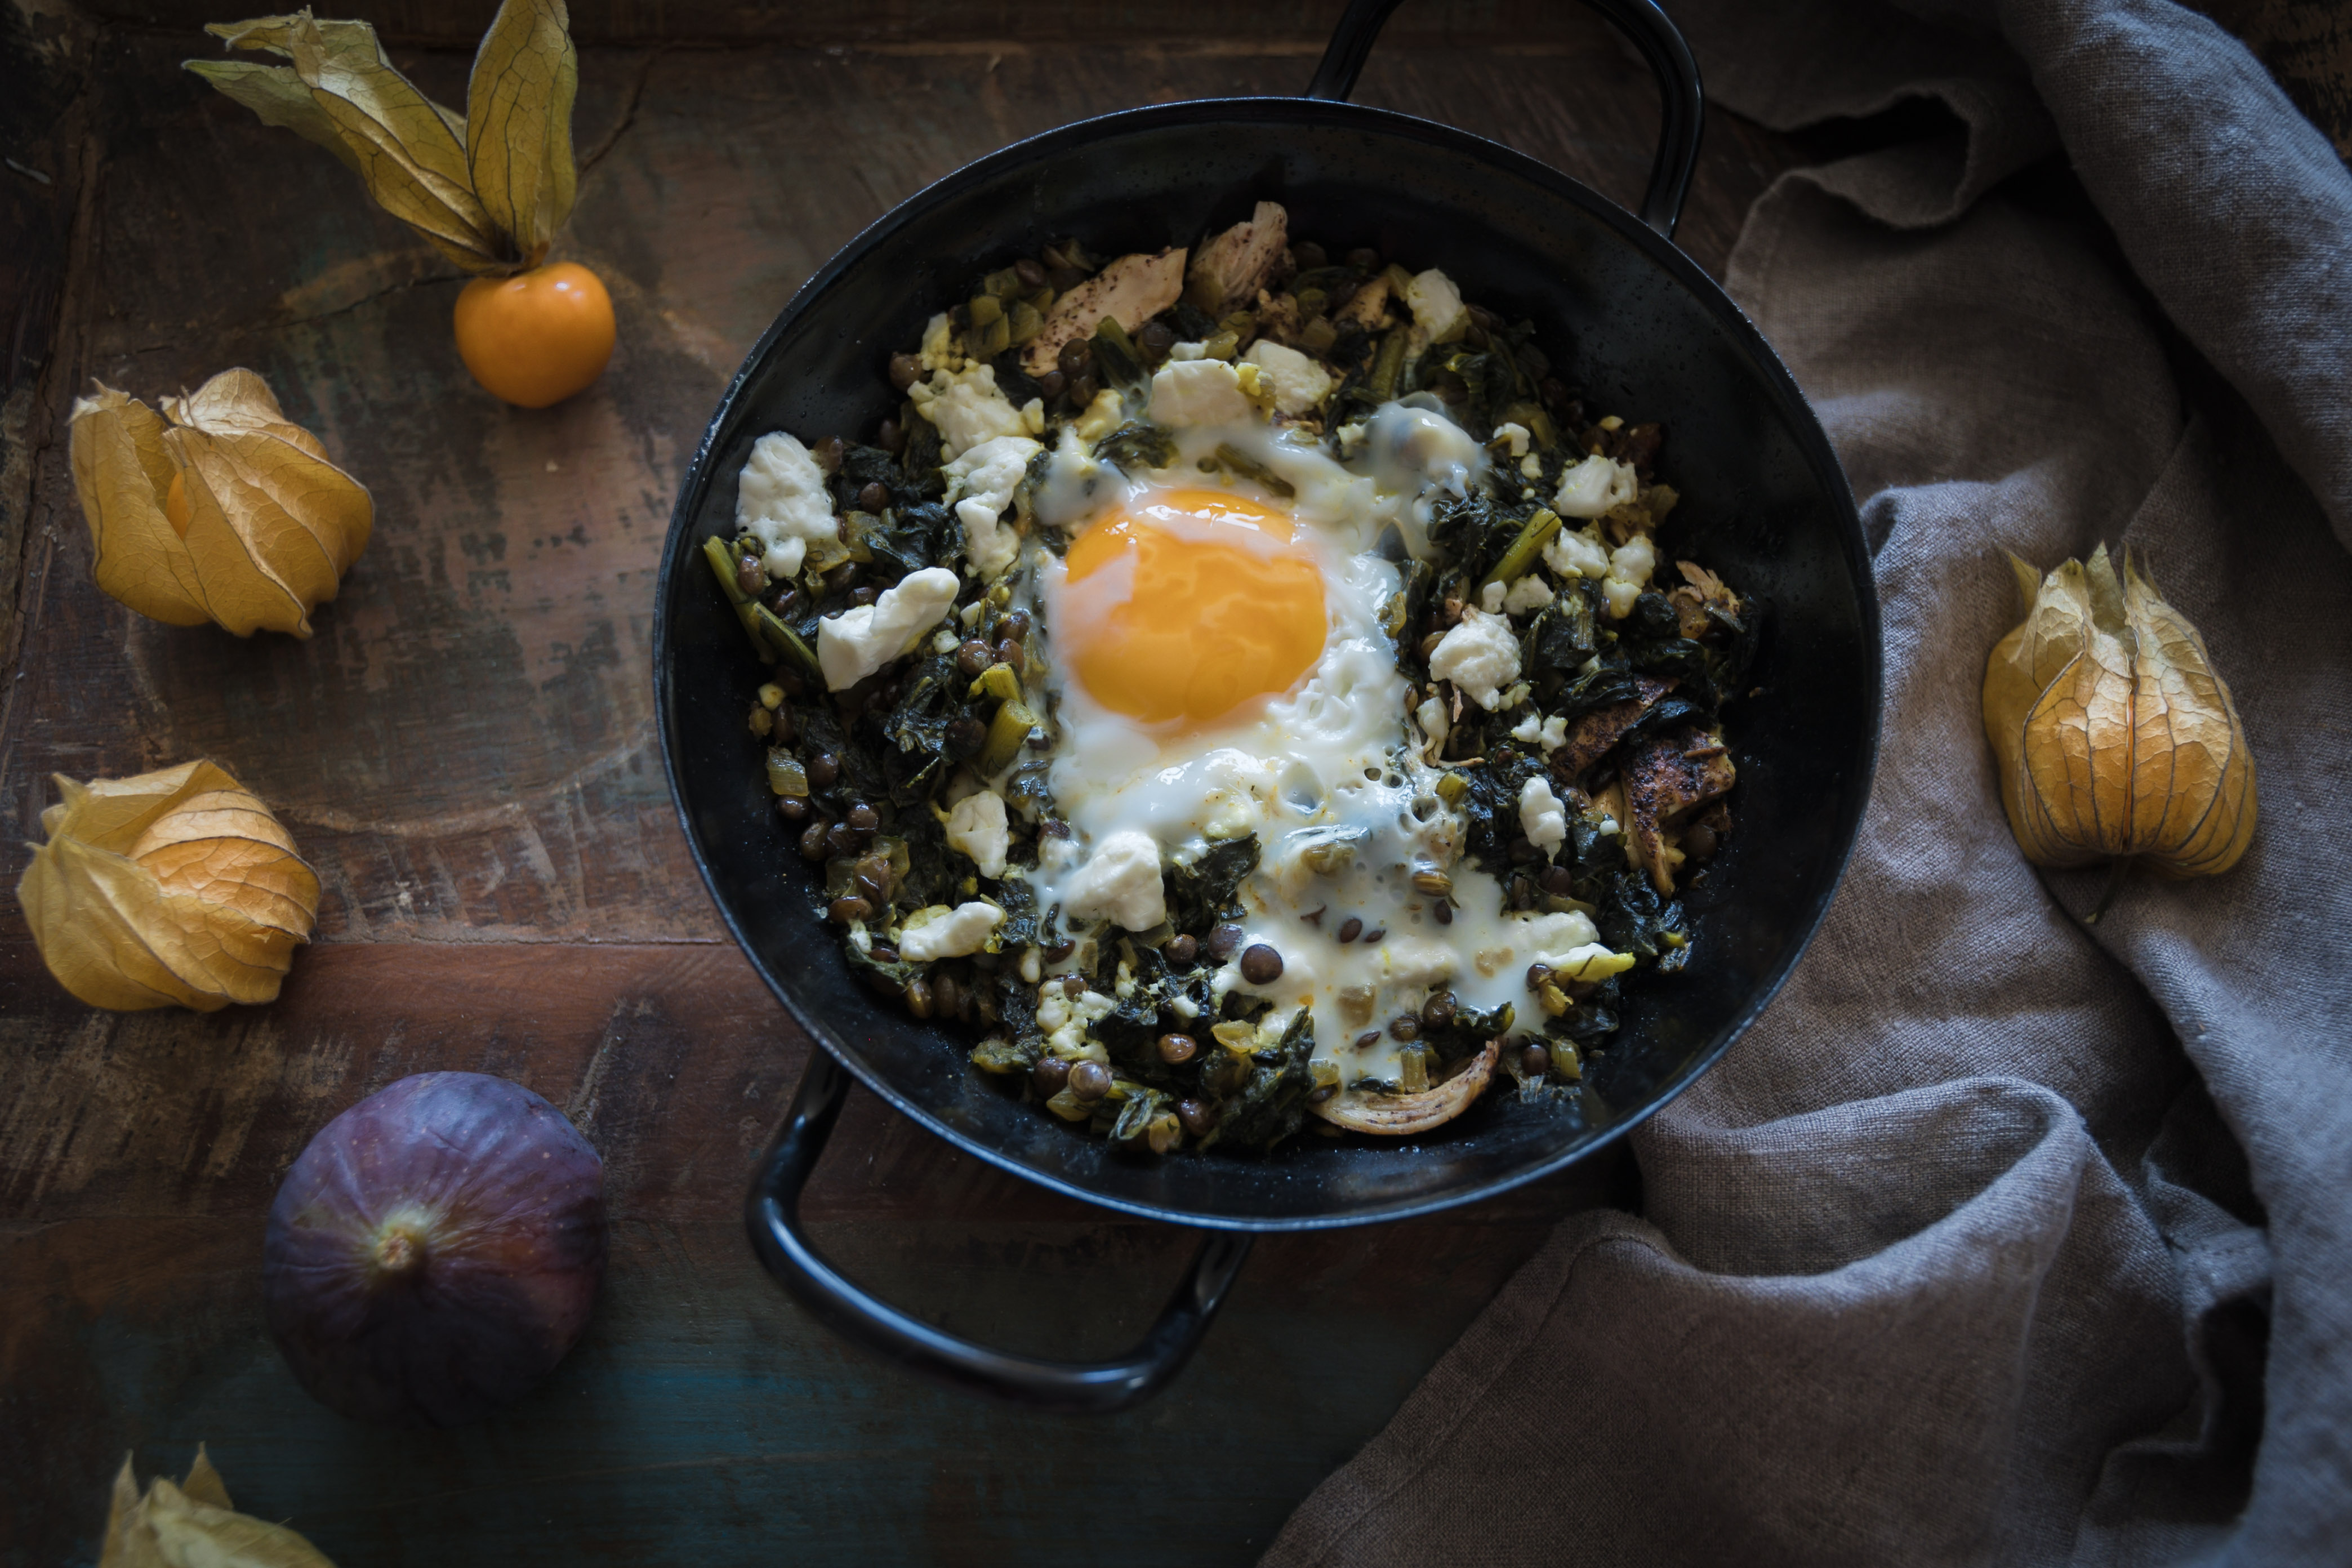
(1334, 759)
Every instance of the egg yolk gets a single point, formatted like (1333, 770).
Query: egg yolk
(1221, 606)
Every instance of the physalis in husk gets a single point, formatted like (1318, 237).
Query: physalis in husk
(193, 1522)
(174, 887)
(489, 188)
(218, 509)
(2114, 737)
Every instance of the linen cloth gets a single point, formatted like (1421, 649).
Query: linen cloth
(1999, 1238)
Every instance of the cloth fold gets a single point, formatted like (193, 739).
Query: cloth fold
(2000, 1237)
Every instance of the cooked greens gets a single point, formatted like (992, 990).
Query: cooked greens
(1584, 771)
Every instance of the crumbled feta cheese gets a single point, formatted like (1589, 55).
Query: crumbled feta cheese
(1297, 383)
(782, 501)
(1491, 596)
(1101, 417)
(1187, 350)
(1413, 448)
(855, 643)
(1629, 571)
(1531, 467)
(1577, 555)
(967, 408)
(984, 478)
(1529, 593)
(1515, 434)
(1536, 729)
(1542, 818)
(1436, 305)
(1479, 655)
(1593, 485)
(1198, 391)
(1432, 714)
(1408, 961)
(938, 349)
(942, 933)
(1064, 1018)
(1121, 880)
(1545, 939)
(977, 828)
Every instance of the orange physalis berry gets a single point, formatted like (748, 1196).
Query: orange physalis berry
(538, 337)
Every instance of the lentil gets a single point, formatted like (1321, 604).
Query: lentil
(1261, 965)
(1089, 1081)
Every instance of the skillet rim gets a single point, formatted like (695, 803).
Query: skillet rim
(1797, 413)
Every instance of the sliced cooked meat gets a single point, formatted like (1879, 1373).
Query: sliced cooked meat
(1663, 779)
(1394, 1115)
(1228, 271)
(1701, 591)
(1592, 736)
(1131, 291)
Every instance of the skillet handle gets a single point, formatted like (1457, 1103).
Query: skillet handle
(1683, 106)
(771, 1213)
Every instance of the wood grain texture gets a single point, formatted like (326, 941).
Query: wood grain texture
(2306, 46)
(465, 750)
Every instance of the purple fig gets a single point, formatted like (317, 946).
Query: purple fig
(435, 1250)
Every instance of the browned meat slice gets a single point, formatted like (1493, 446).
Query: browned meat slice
(1663, 779)
(1603, 727)
(1228, 271)
(1701, 589)
(1396, 1115)
(1131, 291)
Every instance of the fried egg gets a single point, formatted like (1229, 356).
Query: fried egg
(1219, 668)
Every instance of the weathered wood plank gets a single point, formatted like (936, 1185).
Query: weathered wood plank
(466, 746)
(141, 1153)
(704, 1419)
(465, 750)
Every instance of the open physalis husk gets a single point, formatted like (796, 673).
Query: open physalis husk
(193, 1525)
(2114, 734)
(215, 509)
(172, 887)
(489, 188)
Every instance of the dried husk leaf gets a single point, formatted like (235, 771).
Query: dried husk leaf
(192, 1525)
(175, 887)
(519, 123)
(406, 148)
(489, 188)
(2114, 735)
(122, 473)
(269, 526)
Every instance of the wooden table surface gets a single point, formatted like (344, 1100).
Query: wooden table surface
(466, 752)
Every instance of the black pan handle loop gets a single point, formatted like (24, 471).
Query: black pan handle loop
(1682, 103)
(771, 1213)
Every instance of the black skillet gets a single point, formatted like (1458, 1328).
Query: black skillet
(1627, 316)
